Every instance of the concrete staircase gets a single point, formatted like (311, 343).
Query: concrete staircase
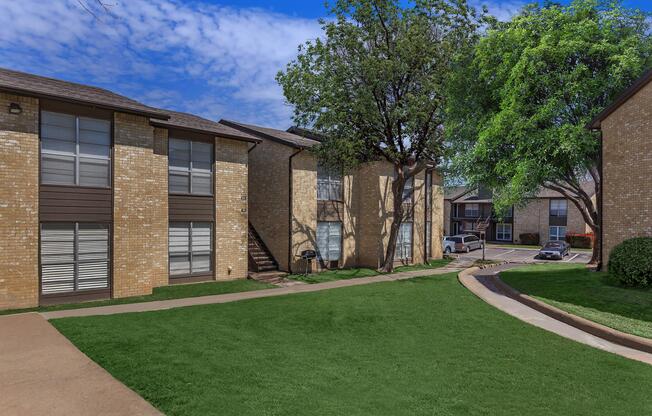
(260, 259)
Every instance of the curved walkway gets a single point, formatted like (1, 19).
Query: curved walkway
(482, 284)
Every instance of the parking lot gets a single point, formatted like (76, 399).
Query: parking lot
(524, 255)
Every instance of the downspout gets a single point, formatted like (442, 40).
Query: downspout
(600, 198)
(290, 213)
(252, 147)
(427, 249)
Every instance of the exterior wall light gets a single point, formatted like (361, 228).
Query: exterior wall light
(15, 108)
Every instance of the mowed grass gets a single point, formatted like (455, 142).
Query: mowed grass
(423, 346)
(342, 274)
(160, 293)
(591, 295)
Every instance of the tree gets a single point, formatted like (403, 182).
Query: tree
(374, 86)
(519, 104)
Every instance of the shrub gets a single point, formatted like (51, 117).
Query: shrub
(530, 239)
(580, 240)
(631, 262)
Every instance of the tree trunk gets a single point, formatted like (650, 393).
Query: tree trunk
(398, 184)
(597, 244)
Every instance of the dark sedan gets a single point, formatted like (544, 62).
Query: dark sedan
(554, 250)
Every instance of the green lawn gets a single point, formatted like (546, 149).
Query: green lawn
(423, 346)
(341, 274)
(591, 295)
(160, 293)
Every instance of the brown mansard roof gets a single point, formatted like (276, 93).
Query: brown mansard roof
(195, 123)
(22, 83)
(622, 98)
(285, 137)
(43, 87)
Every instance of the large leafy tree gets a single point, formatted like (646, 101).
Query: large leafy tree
(519, 104)
(373, 86)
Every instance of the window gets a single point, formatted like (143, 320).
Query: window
(557, 233)
(74, 257)
(75, 150)
(558, 207)
(504, 232)
(190, 167)
(404, 242)
(329, 240)
(329, 184)
(471, 210)
(428, 239)
(190, 248)
(408, 190)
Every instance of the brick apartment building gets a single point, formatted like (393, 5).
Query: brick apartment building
(296, 204)
(102, 196)
(626, 128)
(549, 215)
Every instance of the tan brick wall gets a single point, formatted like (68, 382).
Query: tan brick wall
(448, 211)
(575, 222)
(304, 206)
(532, 218)
(419, 222)
(269, 197)
(231, 213)
(436, 251)
(140, 208)
(627, 169)
(19, 181)
(349, 221)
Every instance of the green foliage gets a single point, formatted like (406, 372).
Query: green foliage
(518, 106)
(631, 262)
(579, 240)
(374, 84)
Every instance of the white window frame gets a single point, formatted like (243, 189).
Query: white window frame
(189, 251)
(76, 261)
(76, 155)
(557, 233)
(501, 232)
(328, 256)
(471, 213)
(190, 170)
(558, 208)
(403, 250)
(329, 184)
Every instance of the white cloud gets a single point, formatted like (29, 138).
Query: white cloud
(212, 60)
(501, 9)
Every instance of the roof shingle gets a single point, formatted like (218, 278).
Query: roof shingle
(202, 125)
(281, 136)
(43, 87)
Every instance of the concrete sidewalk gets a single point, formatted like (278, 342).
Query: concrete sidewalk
(481, 283)
(42, 373)
(453, 267)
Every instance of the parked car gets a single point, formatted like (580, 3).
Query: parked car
(556, 250)
(464, 243)
(449, 245)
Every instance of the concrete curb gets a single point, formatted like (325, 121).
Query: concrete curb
(593, 328)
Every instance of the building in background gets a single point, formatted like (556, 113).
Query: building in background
(547, 217)
(296, 204)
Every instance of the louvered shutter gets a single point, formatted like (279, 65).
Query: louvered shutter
(201, 247)
(322, 240)
(334, 241)
(92, 256)
(179, 242)
(57, 258)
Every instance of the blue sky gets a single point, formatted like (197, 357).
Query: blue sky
(215, 58)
